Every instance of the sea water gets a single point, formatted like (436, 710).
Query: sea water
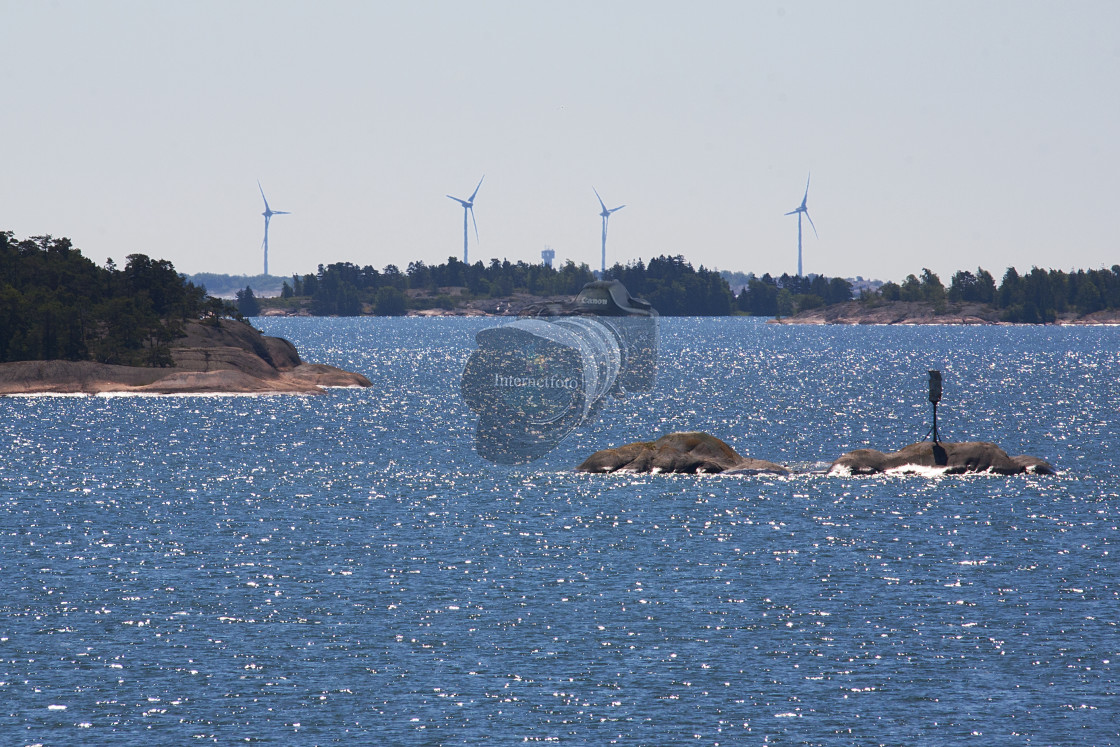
(343, 569)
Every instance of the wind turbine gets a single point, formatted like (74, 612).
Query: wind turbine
(268, 213)
(606, 217)
(802, 210)
(468, 207)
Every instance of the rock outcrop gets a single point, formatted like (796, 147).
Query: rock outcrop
(230, 357)
(895, 312)
(925, 312)
(678, 453)
(949, 458)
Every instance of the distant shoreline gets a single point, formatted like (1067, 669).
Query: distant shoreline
(849, 313)
(928, 313)
(497, 307)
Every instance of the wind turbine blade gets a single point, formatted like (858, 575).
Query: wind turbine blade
(794, 212)
(805, 199)
(811, 224)
(461, 202)
(476, 189)
(600, 199)
(471, 209)
(280, 212)
(614, 210)
(262, 195)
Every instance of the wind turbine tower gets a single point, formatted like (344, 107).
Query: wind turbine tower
(606, 214)
(468, 207)
(802, 210)
(268, 213)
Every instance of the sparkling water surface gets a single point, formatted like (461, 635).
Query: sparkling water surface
(342, 569)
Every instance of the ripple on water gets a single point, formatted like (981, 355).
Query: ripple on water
(324, 568)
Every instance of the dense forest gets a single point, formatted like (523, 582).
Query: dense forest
(57, 304)
(671, 284)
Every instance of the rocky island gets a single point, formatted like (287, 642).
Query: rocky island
(690, 453)
(703, 453)
(70, 326)
(948, 458)
(227, 356)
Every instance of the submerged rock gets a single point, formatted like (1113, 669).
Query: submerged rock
(691, 453)
(951, 458)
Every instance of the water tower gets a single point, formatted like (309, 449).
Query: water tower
(548, 254)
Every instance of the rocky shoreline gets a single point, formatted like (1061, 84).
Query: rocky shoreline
(228, 358)
(696, 452)
(918, 312)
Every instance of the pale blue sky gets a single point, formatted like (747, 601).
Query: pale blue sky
(948, 134)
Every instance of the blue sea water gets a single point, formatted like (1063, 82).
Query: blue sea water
(342, 569)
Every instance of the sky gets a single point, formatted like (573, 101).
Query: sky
(948, 135)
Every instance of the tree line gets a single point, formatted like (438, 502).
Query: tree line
(676, 288)
(1038, 297)
(345, 289)
(671, 284)
(56, 304)
(789, 294)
